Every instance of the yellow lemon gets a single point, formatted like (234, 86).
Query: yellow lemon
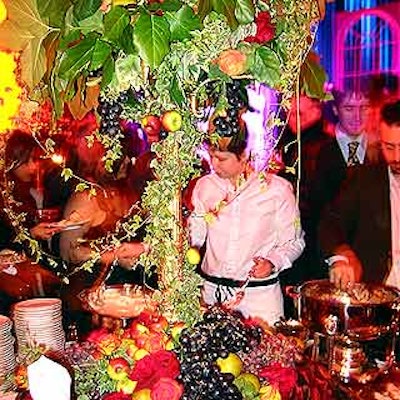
(193, 256)
(142, 394)
(250, 378)
(3, 11)
(230, 365)
(268, 392)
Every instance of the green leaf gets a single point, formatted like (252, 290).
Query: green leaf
(177, 94)
(244, 11)
(114, 24)
(101, 51)
(126, 41)
(76, 58)
(182, 23)
(227, 8)
(215, 73)
(151, 37)
(313, 77)
(94, 23)
(53, 11)
(266, 66)
(85, 8)
(108, 72)
(165, 5)
(24, 31)
(204, 8)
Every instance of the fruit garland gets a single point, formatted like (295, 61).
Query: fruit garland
(157, 63)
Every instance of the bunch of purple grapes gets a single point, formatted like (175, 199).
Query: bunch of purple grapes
(272, 349)
(229, 125)
(80, 353)
(218, 334)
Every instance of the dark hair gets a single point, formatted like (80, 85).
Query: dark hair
(340, 95)
(390, 113)
(19, 148)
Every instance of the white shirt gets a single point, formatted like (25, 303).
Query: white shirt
(344, 139)
(394, 276)
(261, 219)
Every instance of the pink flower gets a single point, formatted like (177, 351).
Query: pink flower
(166, 388)
(265, 29)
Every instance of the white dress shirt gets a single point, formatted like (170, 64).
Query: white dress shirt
(261, 219)
(394, 276)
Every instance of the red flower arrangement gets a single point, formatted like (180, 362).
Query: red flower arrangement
(265, 29)
(150, 369)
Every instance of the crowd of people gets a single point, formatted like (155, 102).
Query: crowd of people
(332, 211)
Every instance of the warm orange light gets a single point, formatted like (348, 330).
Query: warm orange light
(3, 12)
(10, 91)
(57, 159)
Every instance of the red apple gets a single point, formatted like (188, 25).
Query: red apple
(171, 121)
(151, 125)
(159, 323)
(118, 368)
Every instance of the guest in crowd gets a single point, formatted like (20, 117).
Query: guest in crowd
(350, 146)
(250, 223)
(22, 160)
(97, 215)
(360, 231)
(312, 137)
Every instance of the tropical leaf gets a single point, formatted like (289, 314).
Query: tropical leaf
(266, 66)
(114, 24)
(101, 51)
(53, 11)
(108, 72)
(76, 58)
(94, 23)
(165, 5)
(244, 11)
(177, 94)
(85, 8)
(227, 8)
(126, 41)
(182, 23)
(151, 37)
(313, 77)
(25, 31)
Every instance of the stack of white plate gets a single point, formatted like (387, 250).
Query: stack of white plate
(7, 354)
(39, 322)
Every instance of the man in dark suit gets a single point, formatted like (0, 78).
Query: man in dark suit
(349, 147)
(360, 231)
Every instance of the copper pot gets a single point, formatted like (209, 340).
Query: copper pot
(362, 311)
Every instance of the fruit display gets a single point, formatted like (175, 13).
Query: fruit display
(223, 356)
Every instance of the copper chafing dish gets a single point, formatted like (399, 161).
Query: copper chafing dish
(359, 312)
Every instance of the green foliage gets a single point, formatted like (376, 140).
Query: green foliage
(151, 36)
(182, 23)
(115, 23)
(85, 8)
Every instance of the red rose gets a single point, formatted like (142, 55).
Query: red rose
(283, 378)
(116, 396)
(167, 364)
(166, 388)
(147, 371)
(265, 29)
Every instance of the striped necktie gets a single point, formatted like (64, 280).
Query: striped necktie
(353, 158)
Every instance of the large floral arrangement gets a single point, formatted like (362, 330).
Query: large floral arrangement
(159, 63)
(222, 356)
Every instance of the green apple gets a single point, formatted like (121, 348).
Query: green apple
(171, 121)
